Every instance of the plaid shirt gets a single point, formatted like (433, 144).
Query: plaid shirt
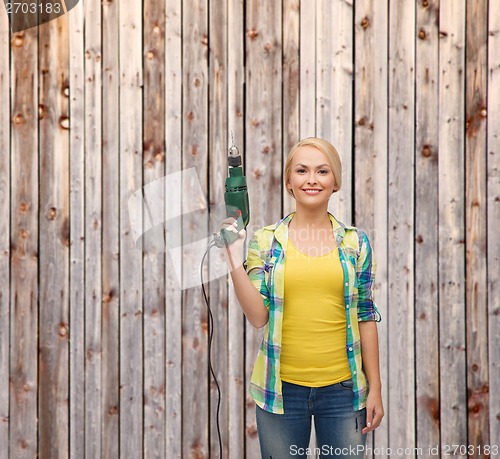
(265, 266)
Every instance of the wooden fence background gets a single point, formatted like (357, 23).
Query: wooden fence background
(102, 355)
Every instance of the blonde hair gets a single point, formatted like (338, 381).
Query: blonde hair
(327, 149)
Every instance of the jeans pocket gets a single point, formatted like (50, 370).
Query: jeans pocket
(348, 384)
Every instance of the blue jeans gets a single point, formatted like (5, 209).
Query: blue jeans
(338, 426)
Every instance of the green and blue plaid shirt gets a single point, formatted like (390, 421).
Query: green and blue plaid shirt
(265, 266)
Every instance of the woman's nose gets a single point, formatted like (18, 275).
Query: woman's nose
(312, 178)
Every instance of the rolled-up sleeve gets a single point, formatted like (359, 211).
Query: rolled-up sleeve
(365, 272)
(255, 268)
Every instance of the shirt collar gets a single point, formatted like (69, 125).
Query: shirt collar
(281, 229)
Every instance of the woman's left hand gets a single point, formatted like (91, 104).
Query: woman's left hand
(374, 411)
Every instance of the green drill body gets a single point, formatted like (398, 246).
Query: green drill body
(236, 196)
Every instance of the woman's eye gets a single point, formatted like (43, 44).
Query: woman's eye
(323, 171)
(300, 171)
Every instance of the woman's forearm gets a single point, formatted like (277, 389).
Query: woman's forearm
(370, 353)
(250, 300)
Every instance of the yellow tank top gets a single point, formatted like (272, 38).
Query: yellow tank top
(313, 336)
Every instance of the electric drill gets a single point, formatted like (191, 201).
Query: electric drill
(235, 197)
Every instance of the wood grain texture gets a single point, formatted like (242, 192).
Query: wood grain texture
(236, 388)
(476, 223)
(401, 411)
(131, 272)
(307, 68)
(102, 343)
(154, 256)
(4, 235)
(173, 293)
(53, 356)
(93, 229)
(493, 212)
(23, 378)
(370, 152)
(77, 234)
(217, 153)
(426, 225)
(110, 359)
(195, 405)
(451, 197)
(334, 91)
(263, 148)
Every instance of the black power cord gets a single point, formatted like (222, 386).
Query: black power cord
(210, 338)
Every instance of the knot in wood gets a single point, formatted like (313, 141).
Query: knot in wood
(41, 111)
(252, 34)
(425, 3)
(63, 330)
(18, 40)
(52, 213)
(23, 207)
(19, 119)
(150, 55)
(483, 113)
(426, 151)
(64, 122)
(204, 40)
(25, 234)
(365, 22)
(422, 35)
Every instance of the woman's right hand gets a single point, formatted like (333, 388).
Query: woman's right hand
(234, 258)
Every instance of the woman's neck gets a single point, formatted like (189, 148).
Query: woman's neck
(310, 220)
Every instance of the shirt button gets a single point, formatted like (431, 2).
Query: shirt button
(350, 348)
(349, 326)
(354, 372)
(347, 305)
(346, 284)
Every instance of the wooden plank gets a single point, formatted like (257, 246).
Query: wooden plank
(195, 409)
(493, 211)
(77, 234)
(453, 402)
(173, 294)
(426, 225)
(370, 154)
(291, 93)
(236, 322)
(217, 153)
(24, 245)
(263, 144)
(154, 257)
(131, 275)
(53, 416)
(380, 191)
(110, 359)
(93, 228)
(334, 91)
(476, 288)
(4, 234)
(401, 221)
(307, 68)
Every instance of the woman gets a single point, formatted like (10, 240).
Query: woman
(309, 280)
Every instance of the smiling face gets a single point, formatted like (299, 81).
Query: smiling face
(311, 178)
